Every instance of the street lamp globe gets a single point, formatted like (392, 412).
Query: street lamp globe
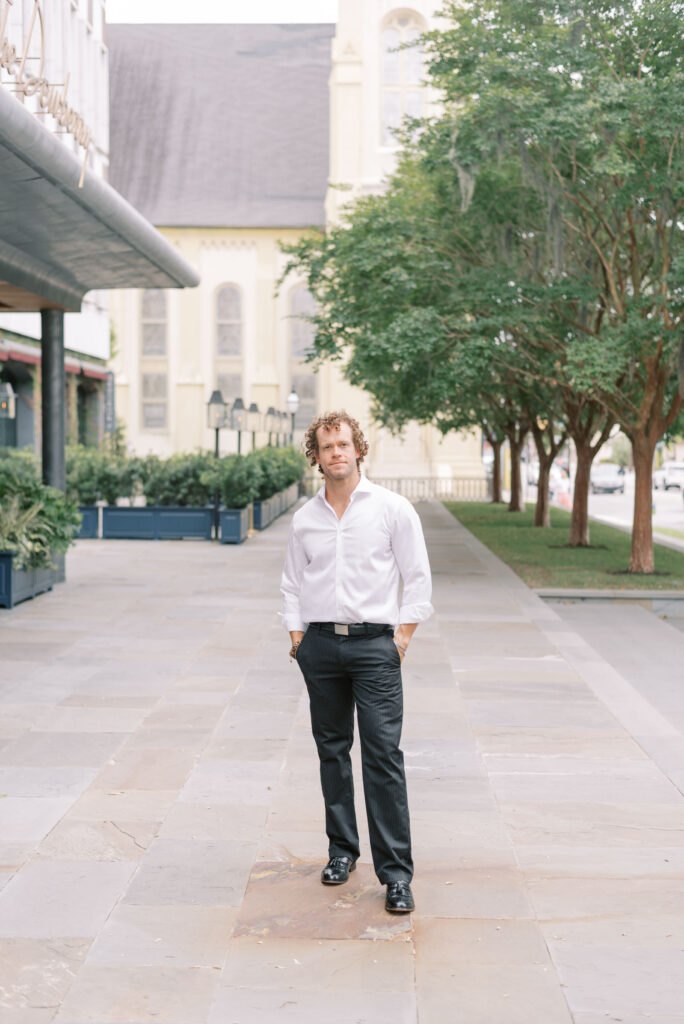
(292, 402)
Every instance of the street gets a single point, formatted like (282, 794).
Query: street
(619, 508)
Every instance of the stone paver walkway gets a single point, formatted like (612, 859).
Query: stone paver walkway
(161, 822)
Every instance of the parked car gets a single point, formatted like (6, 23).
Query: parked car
(670, 474)
(607, 478)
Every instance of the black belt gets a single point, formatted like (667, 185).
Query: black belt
(352, 628)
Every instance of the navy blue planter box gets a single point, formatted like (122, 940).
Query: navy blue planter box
(156, 522)
(89, 523)
(21, 584)
(269, 509)
(265, 512)
(234, 523)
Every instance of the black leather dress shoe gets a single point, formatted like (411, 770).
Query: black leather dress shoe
(399, 899)
(336, 871)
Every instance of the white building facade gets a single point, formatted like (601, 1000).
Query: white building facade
(54, 61)
(241, 164)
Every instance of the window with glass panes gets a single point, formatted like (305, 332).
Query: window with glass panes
(230, 386)
(302, 332)
(153, 322)
(228, 321)
(154, 401)
(153, 359)
(402, 91)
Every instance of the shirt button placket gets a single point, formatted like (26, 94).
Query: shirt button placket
(338, 571)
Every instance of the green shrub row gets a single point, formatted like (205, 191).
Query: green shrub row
(188, 479)
(36, 521)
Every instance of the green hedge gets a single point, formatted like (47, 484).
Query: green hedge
(278, 468)
(179, 480)
(36, 521)
(188, 479)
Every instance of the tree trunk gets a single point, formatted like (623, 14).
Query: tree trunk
(496, 471)
(641, 559)
(516, 503)
(542, 511)
(579, 520)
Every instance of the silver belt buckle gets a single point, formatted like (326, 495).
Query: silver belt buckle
(341, 629)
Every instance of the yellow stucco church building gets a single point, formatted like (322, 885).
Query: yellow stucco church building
(232, 139)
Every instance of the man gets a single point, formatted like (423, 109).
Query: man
(348, 548)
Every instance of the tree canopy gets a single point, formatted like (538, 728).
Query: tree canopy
(529, 251)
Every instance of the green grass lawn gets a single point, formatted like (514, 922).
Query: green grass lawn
(541, 558)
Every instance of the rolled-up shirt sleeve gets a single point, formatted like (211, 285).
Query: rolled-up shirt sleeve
(295, 563)
(410, 552)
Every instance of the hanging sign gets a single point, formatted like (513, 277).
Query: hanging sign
(52, 99)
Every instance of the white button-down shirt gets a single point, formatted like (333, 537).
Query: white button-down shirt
(349, 569)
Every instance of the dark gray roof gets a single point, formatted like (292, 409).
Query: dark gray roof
(221, 125)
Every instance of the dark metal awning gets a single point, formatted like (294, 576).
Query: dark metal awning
(59, 241)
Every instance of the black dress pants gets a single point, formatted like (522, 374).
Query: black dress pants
(362, 672)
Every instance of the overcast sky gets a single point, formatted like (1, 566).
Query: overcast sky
(249, 11)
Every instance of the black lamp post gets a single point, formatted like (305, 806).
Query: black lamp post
(238, 420)
(292, 406)
(254, 421)
(216, 418)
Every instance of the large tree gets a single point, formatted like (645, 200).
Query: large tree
(412, 294)
(588, 97)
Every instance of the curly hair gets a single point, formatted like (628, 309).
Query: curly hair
(330, 420)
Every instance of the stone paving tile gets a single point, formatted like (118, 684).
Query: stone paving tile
(47, 899)
(13, 855)
(230, 782)
(123, 805)
(147, 768)
(456, 890)
(617, 981)
(60, 749)
(98, 841)
(23, 819)
(557, 740)
(491, 994)
(442, 943)
(192, 872)
(288, 901)
(607, 1018)
(72, 719)
(36, 974)
(568, 899)
(212, 821)
(164, 936)
(595, 824)
(120, 995)
(254, 1006)
(306, 964)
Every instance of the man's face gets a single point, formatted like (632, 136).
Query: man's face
(336, 453)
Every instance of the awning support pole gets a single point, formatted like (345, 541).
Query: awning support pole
(53, 385)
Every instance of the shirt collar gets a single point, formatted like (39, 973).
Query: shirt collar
(364, 486)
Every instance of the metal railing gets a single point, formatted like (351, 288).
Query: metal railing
(418, 488)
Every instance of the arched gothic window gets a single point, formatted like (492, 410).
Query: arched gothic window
(153, 360)
(229, 321)
(402, 90)
(302, 332)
